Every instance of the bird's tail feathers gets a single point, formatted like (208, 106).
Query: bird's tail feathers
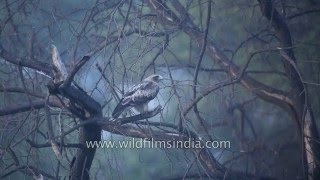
(118, 110)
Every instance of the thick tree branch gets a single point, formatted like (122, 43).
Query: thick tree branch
(213, 168)
(84, 106)
(301, 109)
(33, 64)
(138, 117)
(261, 90)
(106, 121)
(27, 107)
(20, 90)
(77, 67)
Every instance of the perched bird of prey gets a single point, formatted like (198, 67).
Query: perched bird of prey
(139, 95)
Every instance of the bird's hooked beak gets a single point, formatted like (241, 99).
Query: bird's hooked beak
(160, 78)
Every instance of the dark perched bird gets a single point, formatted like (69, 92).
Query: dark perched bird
(139, 95)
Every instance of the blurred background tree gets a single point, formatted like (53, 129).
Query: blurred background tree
(243, 71)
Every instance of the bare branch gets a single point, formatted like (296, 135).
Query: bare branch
(27, 106)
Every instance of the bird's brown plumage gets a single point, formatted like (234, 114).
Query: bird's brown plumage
(139, 95)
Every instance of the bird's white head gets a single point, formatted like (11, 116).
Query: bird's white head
(154, 78)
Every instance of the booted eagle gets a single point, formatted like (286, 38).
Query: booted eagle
(139, 95)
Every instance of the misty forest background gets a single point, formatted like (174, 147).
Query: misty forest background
(243, 71)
